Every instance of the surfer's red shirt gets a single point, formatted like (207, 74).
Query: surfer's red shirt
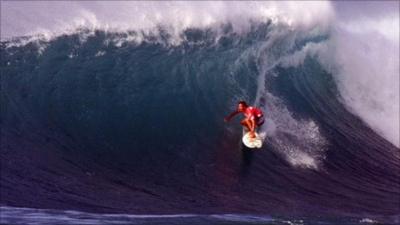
(253, 113)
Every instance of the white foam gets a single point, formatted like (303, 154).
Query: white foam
(363, 55)
(28, 18)
(300, 141)
(367, 220)
(368, 78)
(365, 51)
(100, 53)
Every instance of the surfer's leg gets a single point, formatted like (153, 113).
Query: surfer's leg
(252, 125)
(245, 123)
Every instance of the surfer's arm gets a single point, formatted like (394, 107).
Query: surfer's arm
(229, 117)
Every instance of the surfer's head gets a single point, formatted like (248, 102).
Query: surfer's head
(242, 105)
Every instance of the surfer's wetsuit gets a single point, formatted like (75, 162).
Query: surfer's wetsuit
(253, 117)
(255, 114)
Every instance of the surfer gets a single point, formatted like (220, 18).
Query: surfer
(253, 117)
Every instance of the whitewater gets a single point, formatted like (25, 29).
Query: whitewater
(126, 100)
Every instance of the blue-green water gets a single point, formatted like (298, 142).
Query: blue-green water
(94, 124)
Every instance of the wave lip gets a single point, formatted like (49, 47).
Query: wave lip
(146, 16)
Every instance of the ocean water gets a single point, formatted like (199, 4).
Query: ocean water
(13, 215)
(114, 123)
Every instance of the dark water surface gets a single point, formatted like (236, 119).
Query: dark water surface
(12, 215)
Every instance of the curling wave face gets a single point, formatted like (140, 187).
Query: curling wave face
(136, 117)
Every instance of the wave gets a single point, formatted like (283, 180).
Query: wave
(137, 117)
(352, 35)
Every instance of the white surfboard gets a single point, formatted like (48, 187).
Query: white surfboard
(252, 142)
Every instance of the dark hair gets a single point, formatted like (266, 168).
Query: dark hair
(243, 103)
